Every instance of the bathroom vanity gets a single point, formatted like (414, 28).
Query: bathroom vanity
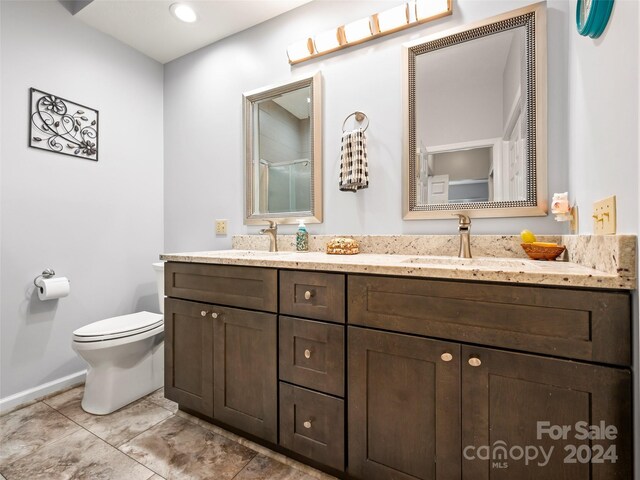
(371, 367)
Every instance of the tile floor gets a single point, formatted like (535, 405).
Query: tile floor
(146, 440)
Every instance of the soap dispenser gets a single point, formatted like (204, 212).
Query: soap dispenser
(302, 238)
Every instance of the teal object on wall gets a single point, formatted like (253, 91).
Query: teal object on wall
(592, 16)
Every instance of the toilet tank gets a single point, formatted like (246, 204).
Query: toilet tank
(159, 268)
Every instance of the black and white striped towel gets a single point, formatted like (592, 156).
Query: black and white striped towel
(354, 169)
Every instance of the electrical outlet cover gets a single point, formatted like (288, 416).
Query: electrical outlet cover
(221, 227)
(604, 216)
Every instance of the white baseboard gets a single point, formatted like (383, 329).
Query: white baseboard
(29, 396)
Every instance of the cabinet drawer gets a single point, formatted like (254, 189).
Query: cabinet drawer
(245, 287)
(312, 424)
(312, 354)
(312, 295)
(579, 324)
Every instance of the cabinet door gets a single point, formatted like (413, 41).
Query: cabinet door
(505, 395)
(245, 371)
(188, 355)
(404, 407)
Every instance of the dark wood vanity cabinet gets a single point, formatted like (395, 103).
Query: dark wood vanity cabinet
(505, 395)
(188, 355)
(379, 377)
(494, 398)
(222, 361)
(312, 366)
(404, 407)
(245, 379)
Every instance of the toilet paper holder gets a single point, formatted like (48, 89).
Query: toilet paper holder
(46, 273)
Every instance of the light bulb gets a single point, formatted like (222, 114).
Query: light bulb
(183, 12)
(326, 40)
(358, 30)
(299, 50)
(393, 18)
(430, 8)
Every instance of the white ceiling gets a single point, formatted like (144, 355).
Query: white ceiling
(296, 102)
(148, 26)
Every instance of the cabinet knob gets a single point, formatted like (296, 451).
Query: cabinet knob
(474, 361)
(307, 353)
(308, 294)
(203, 313)
(307, 424)
(214, 315)
(446, 357)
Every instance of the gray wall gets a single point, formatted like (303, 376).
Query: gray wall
(603, 118)
(203, 122)
(98, 223)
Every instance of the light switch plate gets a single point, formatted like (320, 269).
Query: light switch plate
(221, 227)
(604, 216)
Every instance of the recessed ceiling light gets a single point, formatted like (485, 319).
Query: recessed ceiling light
(183, 12)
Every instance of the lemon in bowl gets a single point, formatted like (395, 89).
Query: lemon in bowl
(528, 236)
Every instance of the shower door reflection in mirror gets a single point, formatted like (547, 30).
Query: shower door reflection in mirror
(283, 153)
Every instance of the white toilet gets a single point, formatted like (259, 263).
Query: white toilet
(125, 356)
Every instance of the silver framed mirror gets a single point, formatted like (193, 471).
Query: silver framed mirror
(475, 119)
(283, 152)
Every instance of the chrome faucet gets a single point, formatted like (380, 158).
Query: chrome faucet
(464, 227)
(272, 231)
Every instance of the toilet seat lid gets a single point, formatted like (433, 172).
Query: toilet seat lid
(119, 325)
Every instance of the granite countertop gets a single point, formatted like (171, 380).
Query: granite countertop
(492, 269)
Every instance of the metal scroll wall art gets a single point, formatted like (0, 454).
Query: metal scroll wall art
(62, 126)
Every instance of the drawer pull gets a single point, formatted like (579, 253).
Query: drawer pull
(307, 353)
(308, 294)
(214, 315)
(446, 357)
(475, 361)
(307, 424)
(203, 313)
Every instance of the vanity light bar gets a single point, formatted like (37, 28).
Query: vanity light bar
(377, 25)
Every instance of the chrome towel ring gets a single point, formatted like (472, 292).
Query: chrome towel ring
(360, 117)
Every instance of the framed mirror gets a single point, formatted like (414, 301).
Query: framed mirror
(475, 113)
(283, 152)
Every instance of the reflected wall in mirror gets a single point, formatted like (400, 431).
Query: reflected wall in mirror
(476, 119)
(283, 153)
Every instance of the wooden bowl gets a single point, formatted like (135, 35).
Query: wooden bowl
(343, 246)
(540, 252)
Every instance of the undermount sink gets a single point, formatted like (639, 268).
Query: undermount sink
(250, 253)
(470, 262)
